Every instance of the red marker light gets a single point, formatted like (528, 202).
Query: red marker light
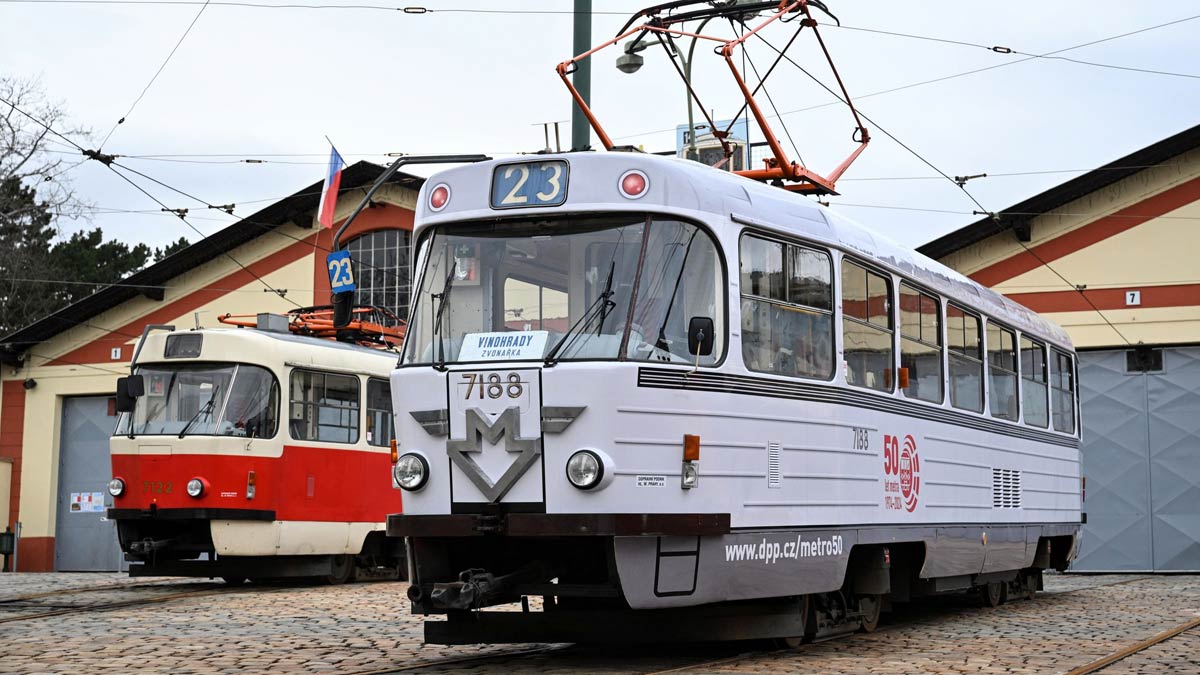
(633, 184)
(439, 197)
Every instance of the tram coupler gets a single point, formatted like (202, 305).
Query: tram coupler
(146, 546)
(477, 588)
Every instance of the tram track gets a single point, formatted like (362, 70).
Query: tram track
(61, 610)
(1106, 661)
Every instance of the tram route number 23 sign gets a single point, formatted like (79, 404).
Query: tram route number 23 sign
(341, 271)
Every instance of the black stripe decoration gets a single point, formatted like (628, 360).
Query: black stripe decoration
(661, 378)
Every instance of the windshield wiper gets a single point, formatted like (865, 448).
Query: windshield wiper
(443, 301)
(204, 409)
(662, 342)
(599, 307)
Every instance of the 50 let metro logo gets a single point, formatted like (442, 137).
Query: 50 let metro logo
(902, 473)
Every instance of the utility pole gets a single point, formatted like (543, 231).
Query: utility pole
(581, 131)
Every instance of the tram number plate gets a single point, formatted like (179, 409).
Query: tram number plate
(493, 386)
(861, 440)
(157, 487)
(529, 184)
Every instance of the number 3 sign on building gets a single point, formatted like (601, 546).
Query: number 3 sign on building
(341, 271)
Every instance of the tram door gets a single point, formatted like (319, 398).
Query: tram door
(1141, 458)
(85, 539)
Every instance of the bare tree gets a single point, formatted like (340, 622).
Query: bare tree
(32, 156)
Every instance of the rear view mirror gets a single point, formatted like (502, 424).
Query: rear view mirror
(128, 391)
(700, 336)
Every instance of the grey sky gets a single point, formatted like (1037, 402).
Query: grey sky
(252, 83)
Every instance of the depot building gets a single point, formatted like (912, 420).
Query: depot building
(57, 404)
(1112, 256)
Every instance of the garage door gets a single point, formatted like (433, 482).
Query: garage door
(1141, 459)
(85, 540)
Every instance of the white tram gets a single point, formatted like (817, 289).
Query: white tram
(255, 454)
(679, 404)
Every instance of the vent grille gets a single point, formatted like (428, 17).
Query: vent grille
(1006, 489)
(774, 464)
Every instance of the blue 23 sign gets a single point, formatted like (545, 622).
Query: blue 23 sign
(341, 271)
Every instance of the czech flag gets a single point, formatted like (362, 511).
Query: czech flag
(329, 191)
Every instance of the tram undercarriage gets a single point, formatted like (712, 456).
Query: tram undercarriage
(574, 589)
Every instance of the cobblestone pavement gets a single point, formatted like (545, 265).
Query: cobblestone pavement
(204, 627)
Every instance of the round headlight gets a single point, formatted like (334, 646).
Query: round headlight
(116, 487)
(584, 469)
(411, 472)
(195, 487)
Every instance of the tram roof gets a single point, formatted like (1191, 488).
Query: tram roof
(691, 186)
(245, 338)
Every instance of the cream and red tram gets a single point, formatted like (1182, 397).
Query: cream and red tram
(678, 404)
(255, 453)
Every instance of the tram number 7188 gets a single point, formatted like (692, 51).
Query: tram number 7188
(492, 385)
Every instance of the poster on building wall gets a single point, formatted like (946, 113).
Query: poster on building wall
(87, 502)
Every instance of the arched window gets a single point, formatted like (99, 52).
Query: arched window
(381, 267)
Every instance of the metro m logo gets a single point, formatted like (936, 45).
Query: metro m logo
(478, 429)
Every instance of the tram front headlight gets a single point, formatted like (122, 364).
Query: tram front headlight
(195, 487)
(585, 470)
(116, 487)
(411, 472)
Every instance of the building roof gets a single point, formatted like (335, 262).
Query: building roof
(1060, 195)
(149, 281)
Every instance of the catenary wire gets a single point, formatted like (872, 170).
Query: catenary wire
(155, 76)
(410, 10)
(974, 71)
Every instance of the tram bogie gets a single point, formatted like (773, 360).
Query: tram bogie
(255, 454)
(691, 395)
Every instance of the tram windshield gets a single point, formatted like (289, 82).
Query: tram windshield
(566, 288)
(204, 400)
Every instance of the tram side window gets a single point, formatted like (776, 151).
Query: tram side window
(966, 360)
(1002, 371)
(921, 344)
(787, 309)
(867, 327)
(380, 427)
(1062, 384)
(324, 407)
(1033, 383)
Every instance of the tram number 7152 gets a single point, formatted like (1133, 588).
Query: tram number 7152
(492, 385)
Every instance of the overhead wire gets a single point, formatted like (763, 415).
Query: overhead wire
(155, 76)
(409, 10)
(92, 154)
(961, 186)
(965, 73)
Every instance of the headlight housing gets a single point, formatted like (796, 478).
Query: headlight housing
(411, 472)
(116, 487)
(195, 487)
(585, 469)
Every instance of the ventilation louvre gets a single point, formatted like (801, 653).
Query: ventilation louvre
(774, 464)
(1006, 489)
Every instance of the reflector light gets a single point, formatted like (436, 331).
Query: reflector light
(395, 452)
(691, 448)
(633, 184)
(250, 488)
(439, 196)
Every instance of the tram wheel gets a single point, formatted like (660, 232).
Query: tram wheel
(993, 594)
(871, 607)
(806, 624)
(343, 570)
(233, 580)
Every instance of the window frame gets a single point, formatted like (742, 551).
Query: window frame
(980, 359)
(387, 385)
(786, 242)
(1074, 390)
(358, 397)
(1015, 372)
(941, 337)
(891, 328)
(1040, 344)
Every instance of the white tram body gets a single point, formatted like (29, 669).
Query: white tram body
(285, 441)
(869, 425)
